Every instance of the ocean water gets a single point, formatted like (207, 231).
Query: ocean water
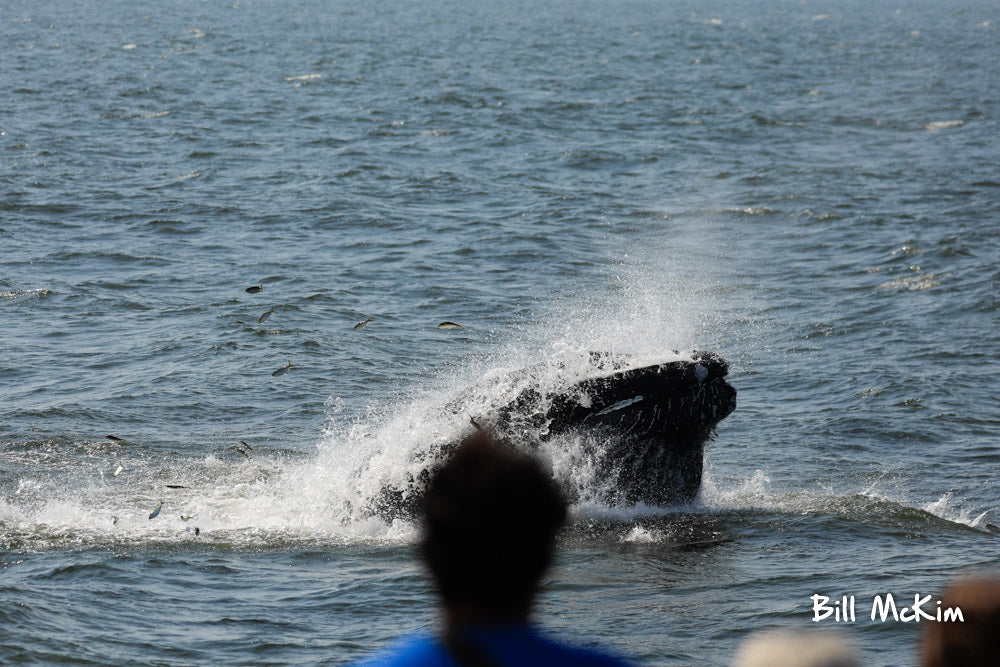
(810, 189)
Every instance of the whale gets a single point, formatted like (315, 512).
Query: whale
(642, 427)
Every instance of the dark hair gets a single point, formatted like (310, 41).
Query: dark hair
(491, 515)
(974, 642)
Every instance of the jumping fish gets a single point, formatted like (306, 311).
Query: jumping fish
(155, 513)
(243, 448)
(187, 518)
(117, 471)
(263, 318)
(361, 324)
(282, 370)
(450, 325)
(472, 420)
(254, 289)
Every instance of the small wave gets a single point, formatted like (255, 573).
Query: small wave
(866, 506)
(763, 120)
(907, 249)
(916, 283)
(116, 257)
(25, 294)
(943, 125)
(175, 181)
(743, 210)
(304, 77)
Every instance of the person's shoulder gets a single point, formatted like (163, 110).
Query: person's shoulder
(587, 657)
(558, 652)
(414, 651)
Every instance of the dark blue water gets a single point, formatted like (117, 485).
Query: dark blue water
(809, 189)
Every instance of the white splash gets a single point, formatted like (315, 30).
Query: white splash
(944, 507)
(943, 125)
(641, 535)
(13, 295)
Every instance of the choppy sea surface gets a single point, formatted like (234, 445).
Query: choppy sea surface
(810, 189)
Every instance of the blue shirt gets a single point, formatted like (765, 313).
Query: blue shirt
(513, 646)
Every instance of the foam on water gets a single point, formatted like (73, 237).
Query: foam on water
(14, 295)
(258, 501)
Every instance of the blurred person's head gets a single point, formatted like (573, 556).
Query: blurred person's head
(491, 515)
(973, 642)
(796, 648)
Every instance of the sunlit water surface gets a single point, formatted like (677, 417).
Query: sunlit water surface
(807, 188)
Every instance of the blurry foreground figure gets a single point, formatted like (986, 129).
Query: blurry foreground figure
(802, 648)
(491, 515)
(974, 642)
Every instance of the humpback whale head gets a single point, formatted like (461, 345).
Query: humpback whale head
(644, 426)
(647, 426)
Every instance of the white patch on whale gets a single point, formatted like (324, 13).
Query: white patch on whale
(619, 405)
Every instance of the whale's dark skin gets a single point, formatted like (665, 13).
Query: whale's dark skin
(645, 428)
